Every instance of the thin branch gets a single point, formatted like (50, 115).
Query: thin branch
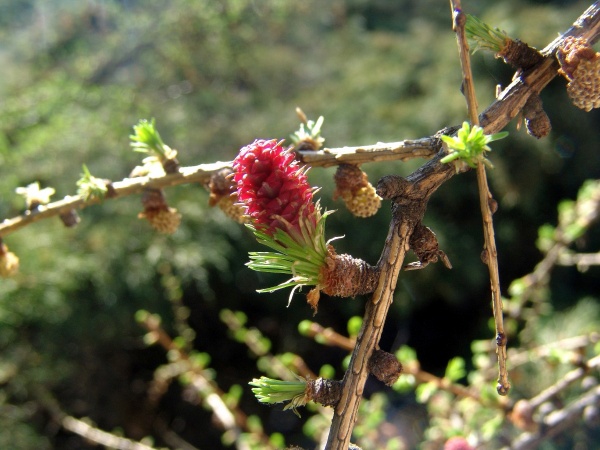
(583, 261)
(485, 201)
(409, 200)
(540, 275)
(572, 343)
(129, 186)
(564, 382)
(511, 100)
(232, 420)
(557, 421)
(81, 428)
(328, 336)
(402, 151)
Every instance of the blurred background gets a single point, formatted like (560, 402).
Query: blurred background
(75, 76)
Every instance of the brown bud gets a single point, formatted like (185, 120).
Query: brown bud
(170, 165)
(309, 143)
(537, 121)
(323, 391)
(385, 367)
(220, 185)
(425, 245)
(154, 199)
(519, 55)
(156, 211)
(70, 218)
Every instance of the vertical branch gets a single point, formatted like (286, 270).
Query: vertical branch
(409, 198)
(368, 338)
(486, 202)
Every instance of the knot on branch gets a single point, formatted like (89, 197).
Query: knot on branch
(392, 187)
(345, 276)
(519, 55)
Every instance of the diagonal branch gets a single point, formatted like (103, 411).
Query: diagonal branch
(495, 118)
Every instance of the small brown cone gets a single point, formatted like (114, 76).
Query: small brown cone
(353, 186)
(584, 89)
(164, 221)
(364, 202)
(580, 65)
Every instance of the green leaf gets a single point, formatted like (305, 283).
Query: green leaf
(425, 391)
(455, 369)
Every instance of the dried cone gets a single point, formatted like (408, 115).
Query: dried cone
(9, 262)
(580, 64)
(163, 219)
(353, 186)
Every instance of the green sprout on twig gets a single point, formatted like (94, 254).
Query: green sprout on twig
(34, 196)
(269, 390)
(481, 36)
(91, 187)
(302, 259)
(469, 145)
(308, 136)
(146, 139)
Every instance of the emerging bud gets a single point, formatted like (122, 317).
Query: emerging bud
(146, 139)
(70, 218)
(308, 136)
(34, 196)
(297, 393)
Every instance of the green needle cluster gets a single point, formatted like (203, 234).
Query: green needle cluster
(470, 144)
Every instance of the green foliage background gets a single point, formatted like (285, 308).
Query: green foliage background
(76, 76)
